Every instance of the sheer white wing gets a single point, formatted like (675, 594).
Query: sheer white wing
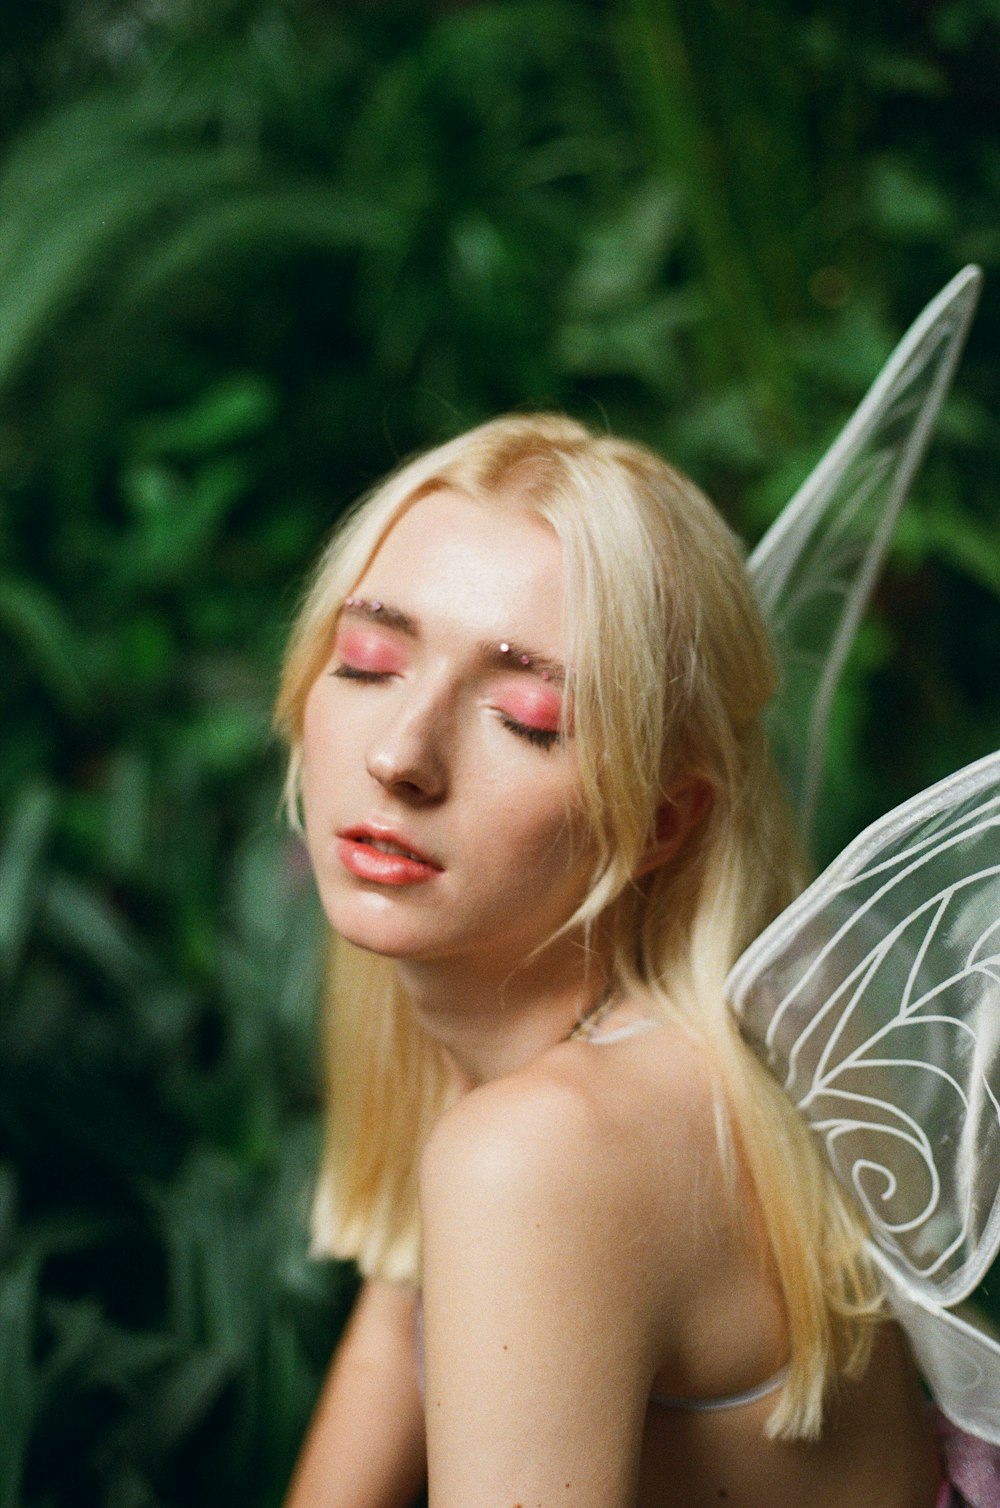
(875, 999)
(814, 569)
(960, 1361)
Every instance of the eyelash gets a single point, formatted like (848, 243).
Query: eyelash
(348, 673)
(540, 738)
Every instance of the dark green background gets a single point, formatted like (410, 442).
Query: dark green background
(250, 254)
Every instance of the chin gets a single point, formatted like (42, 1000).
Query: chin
(375, 934)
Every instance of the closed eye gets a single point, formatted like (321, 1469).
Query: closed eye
(352, 673)
(542, 738)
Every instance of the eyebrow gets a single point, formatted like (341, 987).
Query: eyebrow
(377, 611)
(511, 656)
(517, 657)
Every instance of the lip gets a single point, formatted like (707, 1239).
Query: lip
(355, 851)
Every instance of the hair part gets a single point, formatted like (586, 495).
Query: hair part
(669, 670)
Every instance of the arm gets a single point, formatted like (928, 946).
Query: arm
(365, 1447)
(539, 1305)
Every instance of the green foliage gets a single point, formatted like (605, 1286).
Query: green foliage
(250, 254)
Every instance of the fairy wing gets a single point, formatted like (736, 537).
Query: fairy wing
(959, 1360)
(814, 569)
(875, 999)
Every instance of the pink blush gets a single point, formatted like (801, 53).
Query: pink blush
(533, 705)
(369, 649)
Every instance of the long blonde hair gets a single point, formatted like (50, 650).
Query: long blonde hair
(670, 672)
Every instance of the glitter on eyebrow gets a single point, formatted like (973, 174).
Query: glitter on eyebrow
(506, 652)
(379, 611)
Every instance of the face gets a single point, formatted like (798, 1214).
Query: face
(440, 798)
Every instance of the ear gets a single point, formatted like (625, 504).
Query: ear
(678, 814)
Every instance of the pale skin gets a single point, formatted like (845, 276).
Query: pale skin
(579, 1252)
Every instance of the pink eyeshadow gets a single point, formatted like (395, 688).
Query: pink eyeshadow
(369, 649)
(534, 705)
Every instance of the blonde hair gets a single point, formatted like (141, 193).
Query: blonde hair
(671, 669)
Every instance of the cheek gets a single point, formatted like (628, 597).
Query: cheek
(545, 841)
(312, 729)
(319, 750)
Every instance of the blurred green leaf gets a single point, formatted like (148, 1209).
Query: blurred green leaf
(80, 917)
(894, 72)
(232, 411)
(127, 815)
(181, 1397)
(8, 1210)
(906, 204)
(18, 1293)
(177, 518)
(28, 827)
(950, 534)
(32, 618)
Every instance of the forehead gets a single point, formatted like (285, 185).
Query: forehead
(455, 562)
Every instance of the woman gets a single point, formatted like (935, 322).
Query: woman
(523, 700)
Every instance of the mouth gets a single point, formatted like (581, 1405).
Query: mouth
(390, 844)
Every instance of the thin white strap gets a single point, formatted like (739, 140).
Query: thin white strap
(619, 1033)
(733, 1401)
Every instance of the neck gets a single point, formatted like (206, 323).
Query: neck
(492, 1025)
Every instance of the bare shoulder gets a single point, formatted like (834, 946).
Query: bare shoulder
(580, 1099)
(607, 1140)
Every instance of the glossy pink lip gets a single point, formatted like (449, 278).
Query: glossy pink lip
(357, 853)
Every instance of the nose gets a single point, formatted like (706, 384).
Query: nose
(408, 756)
